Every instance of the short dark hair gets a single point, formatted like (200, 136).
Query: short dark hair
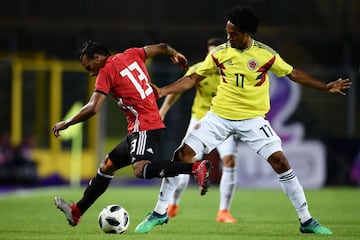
(89, 48)
(244, 18)
(214, 42)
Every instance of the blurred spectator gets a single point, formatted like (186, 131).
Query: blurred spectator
(23, 152)
(24, 169)
(6, 149)
(17, 165)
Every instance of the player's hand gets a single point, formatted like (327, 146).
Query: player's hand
(339, 85)
(180, 60)
(58, 127)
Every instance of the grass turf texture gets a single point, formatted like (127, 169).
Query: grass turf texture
(262, 214)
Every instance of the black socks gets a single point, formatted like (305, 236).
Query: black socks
(161, 169)
(94, 190)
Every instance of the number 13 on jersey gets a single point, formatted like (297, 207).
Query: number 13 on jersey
(136, 75)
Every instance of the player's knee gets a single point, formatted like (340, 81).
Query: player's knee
(184, 154)
(107, 166)
(229, 161)
(139, 168)
(138, 172)
(279, 162)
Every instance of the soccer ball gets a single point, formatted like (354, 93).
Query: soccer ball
(114, 219)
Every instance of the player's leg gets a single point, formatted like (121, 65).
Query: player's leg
(144, 146)
(168, 186)
(200, 170)
(192, 144)
(227, 151)
(98, 185)
(174, 202)
(168, 170)
(293, 189)
(159, 215)
(269, 147)
(183, 180)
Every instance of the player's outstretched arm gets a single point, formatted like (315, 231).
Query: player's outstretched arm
(86, 112)
(163, 48)
(305, 79)
(179, 86)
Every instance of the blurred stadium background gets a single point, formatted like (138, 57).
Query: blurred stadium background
(41, 77)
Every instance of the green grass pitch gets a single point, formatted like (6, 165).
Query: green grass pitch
(261, 214)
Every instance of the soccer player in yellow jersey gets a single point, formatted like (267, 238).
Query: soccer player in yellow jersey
(205, 91)
(241, 103)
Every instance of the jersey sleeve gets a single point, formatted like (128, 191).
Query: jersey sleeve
(192, 69)
(281, 68)
(207, 67)
(139, 52)
(103, 82)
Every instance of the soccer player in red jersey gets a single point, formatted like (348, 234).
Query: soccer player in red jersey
(125, 78)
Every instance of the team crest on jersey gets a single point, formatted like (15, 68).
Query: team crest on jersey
(252, 64)
(197, 126)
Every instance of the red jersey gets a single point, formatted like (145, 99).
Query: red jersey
(126, 78)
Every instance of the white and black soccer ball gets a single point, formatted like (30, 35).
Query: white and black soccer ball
(114, 219)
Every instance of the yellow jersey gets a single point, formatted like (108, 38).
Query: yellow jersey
(243, 92)
(205, 91)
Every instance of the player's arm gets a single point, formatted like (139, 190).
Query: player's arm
(87, 111)
(305, 79)
(168, 103)
(179, 86)
(163, 48)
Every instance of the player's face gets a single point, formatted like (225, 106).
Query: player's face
(237, 39)
(93, 66)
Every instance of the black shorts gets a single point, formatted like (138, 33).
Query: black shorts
(143, 145)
